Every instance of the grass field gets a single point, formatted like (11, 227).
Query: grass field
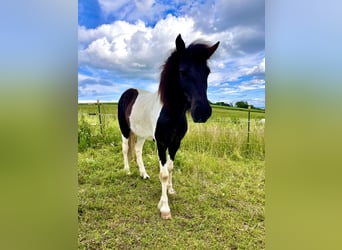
(218, 178)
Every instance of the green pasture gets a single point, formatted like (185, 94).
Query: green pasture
(219, 181)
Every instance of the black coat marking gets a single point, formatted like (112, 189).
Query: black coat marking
(125, 104)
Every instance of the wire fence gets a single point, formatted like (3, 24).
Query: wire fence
(225, 132)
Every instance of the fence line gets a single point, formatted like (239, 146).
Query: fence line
(95, 114)
(232, 120)
(219, 120)
(99, 112)
(235, 137)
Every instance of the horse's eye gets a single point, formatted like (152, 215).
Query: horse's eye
(182, 73)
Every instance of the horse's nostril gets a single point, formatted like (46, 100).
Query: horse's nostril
(201, 113)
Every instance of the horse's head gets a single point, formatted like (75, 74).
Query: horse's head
(193, 75)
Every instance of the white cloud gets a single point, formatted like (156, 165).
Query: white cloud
(144, 5)
(149, 11)
(82, 77)
(252, 84)
(97, 88)
(257, 69)
(110, 6)
(134, 49)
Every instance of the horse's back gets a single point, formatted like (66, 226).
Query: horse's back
(145, 113)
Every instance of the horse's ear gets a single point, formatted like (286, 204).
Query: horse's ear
(212, 49)
(180, 45)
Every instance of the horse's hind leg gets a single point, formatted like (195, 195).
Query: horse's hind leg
(138, 151)
(125, 148)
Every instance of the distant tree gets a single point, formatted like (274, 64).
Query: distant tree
(241, 104)
(223, 104)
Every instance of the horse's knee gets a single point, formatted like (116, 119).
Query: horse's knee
(164, 174)
(169, 165)
(163, 177)
(138, 151)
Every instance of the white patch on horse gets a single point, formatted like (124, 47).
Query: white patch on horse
(145, 113)
(163, 204)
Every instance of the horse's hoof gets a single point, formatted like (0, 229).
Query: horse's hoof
(145, 176)
(172, 191)
(165, 215)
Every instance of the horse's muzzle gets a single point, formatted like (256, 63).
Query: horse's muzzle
(200, 112)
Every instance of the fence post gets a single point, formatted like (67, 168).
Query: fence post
(249, 123)
(99, 111)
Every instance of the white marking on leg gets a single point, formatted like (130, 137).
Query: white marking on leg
(125, 153)
(169, 165)
(138, 151)
(163, 204)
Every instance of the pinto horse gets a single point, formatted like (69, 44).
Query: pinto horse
(161, 116)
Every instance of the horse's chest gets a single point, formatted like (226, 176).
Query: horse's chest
(170, 128)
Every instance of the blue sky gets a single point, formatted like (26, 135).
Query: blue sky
(123, 44)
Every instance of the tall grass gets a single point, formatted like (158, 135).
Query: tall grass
(227, 138)
(218, 177)
(224, 134)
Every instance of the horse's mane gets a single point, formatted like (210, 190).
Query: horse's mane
(168, 84)
(168, 76)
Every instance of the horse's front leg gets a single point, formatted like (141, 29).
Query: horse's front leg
(164, 175)
(169, 165)
(174, 146)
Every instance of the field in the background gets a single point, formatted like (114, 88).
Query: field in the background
(219, 181)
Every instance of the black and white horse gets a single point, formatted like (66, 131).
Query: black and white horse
(161, 116)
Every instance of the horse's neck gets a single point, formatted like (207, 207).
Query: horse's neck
(176, 108)
(175, 99)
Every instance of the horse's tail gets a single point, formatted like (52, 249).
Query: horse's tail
(131, 145)
(125, 105)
